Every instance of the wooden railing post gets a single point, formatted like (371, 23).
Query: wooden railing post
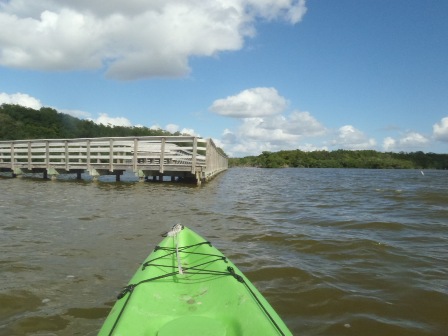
(162, 155)
(47, 154)
(89, 166)
(13, 159)
(193, 159)
(29, 155)
(66, 155)
(111, 154)
(135, 158)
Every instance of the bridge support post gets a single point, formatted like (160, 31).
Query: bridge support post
(95, 174)
(141, 176)
(198, 179)
(52, 172)
(17, 172)
(118, 174)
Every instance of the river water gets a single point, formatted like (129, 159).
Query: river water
(335, 251)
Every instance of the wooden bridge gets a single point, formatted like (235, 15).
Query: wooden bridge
(184, 157)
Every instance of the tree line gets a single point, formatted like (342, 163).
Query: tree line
(343, 159)
(18, 122)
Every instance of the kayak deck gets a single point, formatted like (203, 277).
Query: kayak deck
(188, 287)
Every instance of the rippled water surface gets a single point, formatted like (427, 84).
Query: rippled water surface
(336, 252)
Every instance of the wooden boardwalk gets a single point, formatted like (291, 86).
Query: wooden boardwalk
(182, 157)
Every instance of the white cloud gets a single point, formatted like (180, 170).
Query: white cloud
(112, 121)
(251, 103)
(410, 141)
(389, 144)
(132, 39)
(440, 130)
(172, 128)
(189, 131)
(413, 139)
(155, 127)
(291, 11)
(311, 148)
(228, 137)
(246, 147)
(77, 113)
(20, 99)
(218, 143)
(251, 139)
(297, 123)
(264, 124)
(349, 137)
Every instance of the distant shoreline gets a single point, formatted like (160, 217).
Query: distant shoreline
(364, 159)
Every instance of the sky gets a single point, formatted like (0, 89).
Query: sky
(253, 75)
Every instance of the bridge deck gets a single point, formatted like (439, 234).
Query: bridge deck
(182, 156)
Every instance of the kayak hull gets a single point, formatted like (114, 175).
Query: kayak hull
(188, 287)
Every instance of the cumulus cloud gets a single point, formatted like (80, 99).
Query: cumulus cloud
(253, 128)
(131, 39)
(189, 131)
(389, 144)
(77, 114)
(440, 130)
(264, 123)
(297, 123)
(112, 121)
(291, 11)
(408, 142)
(173, 128)
(413, 139)
(155, 127)
(251, 103)
(312, 147)
(348, 137)
(251, 138)
(20, 99)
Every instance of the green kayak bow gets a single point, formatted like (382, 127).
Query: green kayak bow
(188, 287)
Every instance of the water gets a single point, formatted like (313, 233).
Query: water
(336, 252)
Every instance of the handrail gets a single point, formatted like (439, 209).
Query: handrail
(149, 153)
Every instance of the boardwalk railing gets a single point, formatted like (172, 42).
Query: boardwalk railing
(181, 156)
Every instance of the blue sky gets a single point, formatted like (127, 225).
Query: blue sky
(254, 75)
